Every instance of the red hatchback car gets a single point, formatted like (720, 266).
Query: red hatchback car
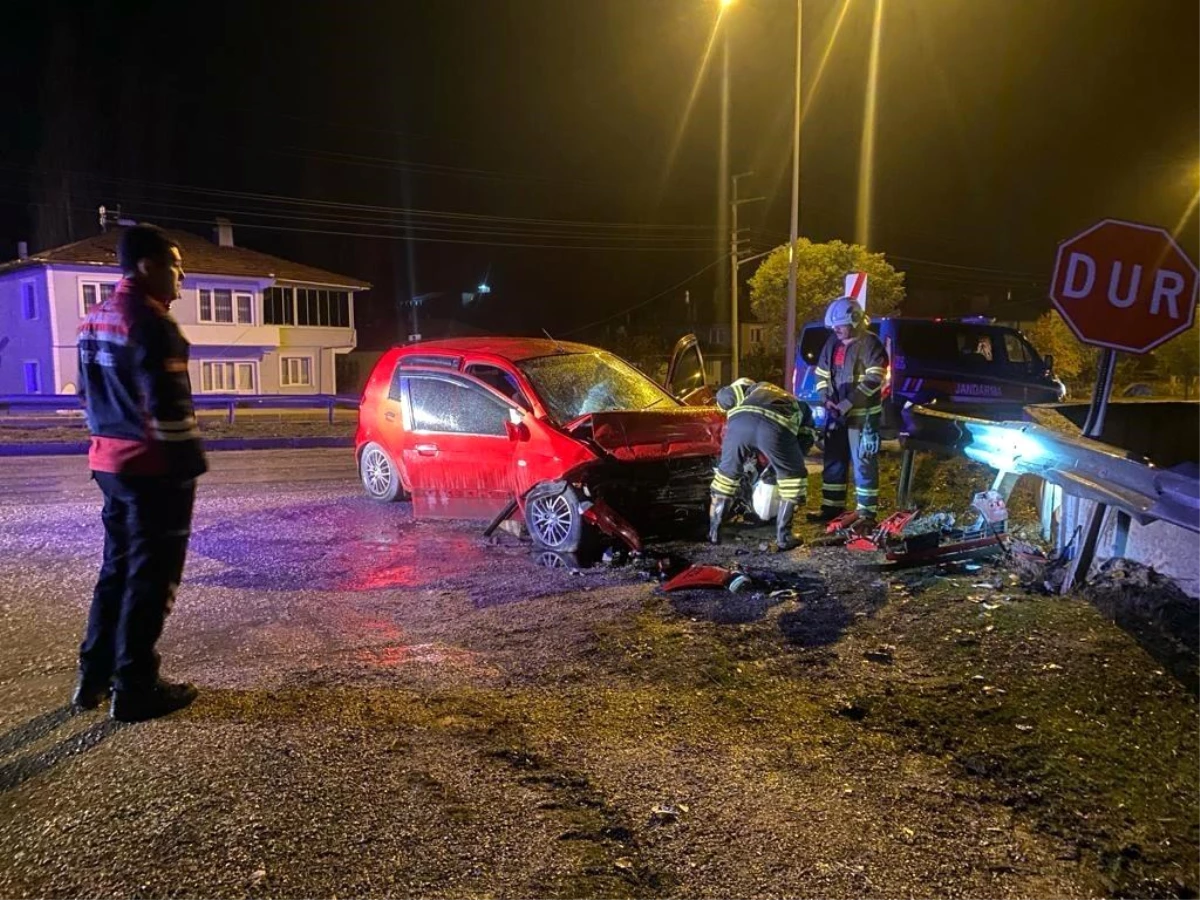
(569, 432)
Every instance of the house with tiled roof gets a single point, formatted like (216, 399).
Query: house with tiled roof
(257, 324)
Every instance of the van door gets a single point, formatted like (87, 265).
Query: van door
(687, 379)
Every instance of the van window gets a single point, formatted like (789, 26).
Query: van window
(811, 342)
(948, 343)
(1018, 352)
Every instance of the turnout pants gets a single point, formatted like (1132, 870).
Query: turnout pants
(841, 453)
(147, 522)
(747, 434)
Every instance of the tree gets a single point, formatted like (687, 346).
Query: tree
(1051, 335)
(1179, 360)
(821, 271)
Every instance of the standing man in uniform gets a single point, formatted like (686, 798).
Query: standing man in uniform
(850, 374)
(763, 418)
(145, 455)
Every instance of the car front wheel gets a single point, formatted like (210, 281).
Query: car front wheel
(380, 477)
(555, 520)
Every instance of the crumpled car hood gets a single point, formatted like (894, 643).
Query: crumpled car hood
(656, 434)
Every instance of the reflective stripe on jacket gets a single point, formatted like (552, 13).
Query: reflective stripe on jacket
(773, 403)
(858, 379)
(133, 378)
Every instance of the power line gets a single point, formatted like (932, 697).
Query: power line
(648, 301)
(283, 199)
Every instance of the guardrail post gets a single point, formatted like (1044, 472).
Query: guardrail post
(904, 482)
(231, 405)
(330, 403)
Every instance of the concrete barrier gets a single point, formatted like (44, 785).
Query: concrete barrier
(1168, 549)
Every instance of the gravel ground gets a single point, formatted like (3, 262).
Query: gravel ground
(400, 708)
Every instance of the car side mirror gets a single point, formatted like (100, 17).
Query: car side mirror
(514, 427)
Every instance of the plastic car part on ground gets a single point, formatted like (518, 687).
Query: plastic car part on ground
(777, 585)
(707, 577)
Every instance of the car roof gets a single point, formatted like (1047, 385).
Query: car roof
(513, 348)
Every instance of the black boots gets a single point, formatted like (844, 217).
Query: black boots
(161, 699)
(716, 512)
(88, 693)
(827, 514)
(783, 525)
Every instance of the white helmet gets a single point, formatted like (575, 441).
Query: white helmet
(844, 311)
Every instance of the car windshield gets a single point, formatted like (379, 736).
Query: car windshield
(575, 384)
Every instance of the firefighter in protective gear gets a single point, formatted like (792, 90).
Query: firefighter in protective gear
(763, 419)
(850, 375)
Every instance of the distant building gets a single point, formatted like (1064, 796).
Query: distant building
(257, 324)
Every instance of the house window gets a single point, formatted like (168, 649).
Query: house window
(228, 377)
(296, 371)
(94, 292)
(314, 307)
(220, 305)
(29, 301)
(279, 306)
(33, 378)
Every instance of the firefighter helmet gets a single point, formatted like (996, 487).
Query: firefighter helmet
(844, 311)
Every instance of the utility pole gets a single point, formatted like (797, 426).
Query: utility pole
(735, 337)
(789, 362)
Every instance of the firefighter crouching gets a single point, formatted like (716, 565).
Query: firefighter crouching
(850, 374)
(768, 420)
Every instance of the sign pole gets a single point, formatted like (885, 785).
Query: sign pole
(1094, 426)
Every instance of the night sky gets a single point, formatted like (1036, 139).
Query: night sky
(332, 132)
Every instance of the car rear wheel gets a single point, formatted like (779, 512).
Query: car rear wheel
(380, 477)
(555, 520)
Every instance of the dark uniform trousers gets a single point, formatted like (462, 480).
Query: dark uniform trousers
(747, 434)
(840, 455)
(147, 521)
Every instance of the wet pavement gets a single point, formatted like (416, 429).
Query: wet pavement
(406, 708)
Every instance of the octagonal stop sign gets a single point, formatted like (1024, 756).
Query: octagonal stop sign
(1124, 286)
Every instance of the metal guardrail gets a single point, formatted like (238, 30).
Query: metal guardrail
(1079, 465)
(27, 403)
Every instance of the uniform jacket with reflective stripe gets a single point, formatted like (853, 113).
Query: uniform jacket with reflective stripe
(858, 379)
(745, 397)
(134, 381)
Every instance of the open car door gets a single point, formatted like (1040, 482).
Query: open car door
(687, 380)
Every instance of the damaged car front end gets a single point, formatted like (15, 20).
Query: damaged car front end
(568, 437)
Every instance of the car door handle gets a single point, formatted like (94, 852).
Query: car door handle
(427, 449)
(390, 416)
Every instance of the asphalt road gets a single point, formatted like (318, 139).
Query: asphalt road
(51, 479)
(391, 707)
